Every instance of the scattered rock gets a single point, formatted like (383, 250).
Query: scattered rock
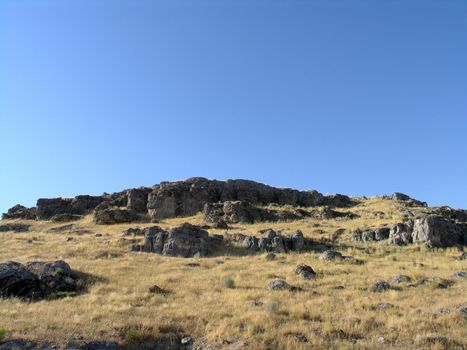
(133, 231)
(17, 228)
(380, 286)
(460, 274)
(279, 284)
(400, 279)
(330, 255)
(158, 290)
(192, 265)
(186, 241)
(186, 341)
(305, 271)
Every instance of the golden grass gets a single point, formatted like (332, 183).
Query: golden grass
(203, 307)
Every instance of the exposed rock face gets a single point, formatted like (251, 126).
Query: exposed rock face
(185, 198)
(185, 241)
(438, 231)
(46, 208)
(401, 233)
(272, 242)
(105, 215)
(245, 213)
(401, 197)
(20, 212)
(138, 199)
(36, 280)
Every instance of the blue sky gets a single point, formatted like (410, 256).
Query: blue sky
(355, 97)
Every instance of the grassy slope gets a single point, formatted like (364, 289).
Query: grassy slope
(201, 307)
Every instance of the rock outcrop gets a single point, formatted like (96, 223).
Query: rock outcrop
(20, 212)
(185, 198)
(37, 280)
(185, 241)
(270, 241)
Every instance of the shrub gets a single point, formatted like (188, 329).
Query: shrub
(2, 333)
(273, 306)
(228, 282)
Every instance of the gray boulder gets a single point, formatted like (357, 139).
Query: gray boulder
(298, 241)
(401, 233)
(251, 243)
(279, 284)
(106, 215)
(186, 241)
(36, 280)
(330, 255)
(380, 286)
(277, 245)
(439, 231)
(154, 239)
(305, 271)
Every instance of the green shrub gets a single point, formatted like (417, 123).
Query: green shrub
(228, 282)
(2, 333)
(133, 335)
(273, 306)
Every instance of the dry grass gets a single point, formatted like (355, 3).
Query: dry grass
(118, 306)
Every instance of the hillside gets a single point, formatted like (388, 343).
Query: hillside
(202, 264)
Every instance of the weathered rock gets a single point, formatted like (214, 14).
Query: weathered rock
(14, 228)
(298, 241)
(380, 286)
(138, 199)
(401, 233)
(251, 243)
(279, 284)
(17, 281)
(368, 235)
(382, 233)
(330, 255)
(186, 241)
(104, 215)
(157, 290)
(277, 245)
(20, 212)
(403, 198)
(154, 239)
(305, 271)
(133, 231)
(55, 276)
(439, 231)
(357, 235)
(36, 280)
(65, 217)
(460, 274)
(48, 207)
(400, 279)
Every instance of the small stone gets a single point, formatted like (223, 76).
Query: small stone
(157, 290)
(381, 340)
(380, 286)
(186, 340)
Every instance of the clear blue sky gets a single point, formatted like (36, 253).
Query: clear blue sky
(356, 97)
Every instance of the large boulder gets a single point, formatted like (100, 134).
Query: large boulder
(106, 215)
(48, 207)
(36, 280)
(407, 200)
(437, 231)
(186, 241)
(17, 281)
(138, 199)
(20, 212)
(401, 233)
(154, 239)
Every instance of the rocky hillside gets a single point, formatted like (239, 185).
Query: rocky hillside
(201, 264)
(241, 201)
